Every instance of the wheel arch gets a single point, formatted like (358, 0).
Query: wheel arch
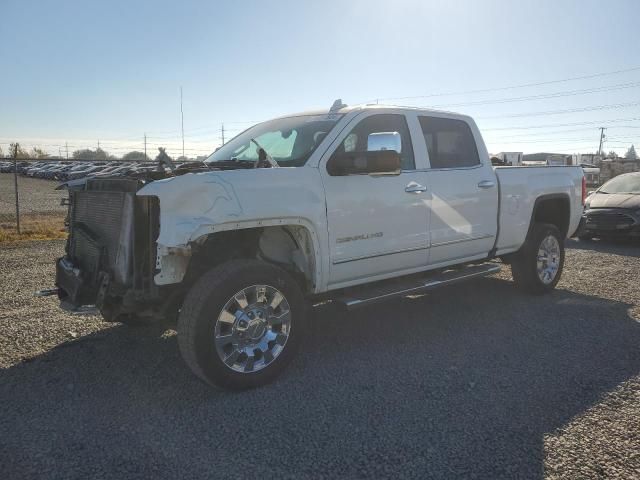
(292, 244)
(553, 208)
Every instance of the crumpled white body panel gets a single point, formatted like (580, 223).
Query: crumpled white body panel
(197, 204)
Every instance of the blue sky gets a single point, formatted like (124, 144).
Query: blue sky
(83, 71)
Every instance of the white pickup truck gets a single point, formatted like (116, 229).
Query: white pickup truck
(352, 204)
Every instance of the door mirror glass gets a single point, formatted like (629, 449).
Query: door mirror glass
(384, 141)
(380, 162)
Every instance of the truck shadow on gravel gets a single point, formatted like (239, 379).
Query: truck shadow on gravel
(465, 382)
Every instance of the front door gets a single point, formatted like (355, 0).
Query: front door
(377, 223)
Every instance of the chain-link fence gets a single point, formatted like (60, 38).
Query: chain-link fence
(36, 211)
(30, 205)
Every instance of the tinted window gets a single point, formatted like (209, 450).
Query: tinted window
(450, 143)
(358, 139)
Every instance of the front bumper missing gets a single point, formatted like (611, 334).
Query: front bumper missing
(72, 289)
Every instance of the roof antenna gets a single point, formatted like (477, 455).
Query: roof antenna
(337, 105)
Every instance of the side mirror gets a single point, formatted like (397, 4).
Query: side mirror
(384, 141)
(381, 162)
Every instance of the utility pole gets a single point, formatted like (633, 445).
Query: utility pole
(145, 147)
(602, 137)
(16, 146)
(182, 121)
(66, 146)
(222, 129)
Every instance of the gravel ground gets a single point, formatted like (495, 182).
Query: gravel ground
(473, 381)
(36, 196)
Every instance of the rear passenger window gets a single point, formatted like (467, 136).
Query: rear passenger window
(450, 143)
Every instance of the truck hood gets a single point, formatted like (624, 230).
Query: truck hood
(197, 204)
(614, 200)
(158, 173)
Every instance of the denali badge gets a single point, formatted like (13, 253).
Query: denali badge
(364, 236)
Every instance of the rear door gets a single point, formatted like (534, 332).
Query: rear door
(463, 191)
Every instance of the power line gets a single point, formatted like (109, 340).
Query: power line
(560, 140)
(511, 87)
(549, 133)
(566, 93)
(196, 130)
(551, 125)
(568, 110)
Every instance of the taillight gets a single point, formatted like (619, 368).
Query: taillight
(584, 190)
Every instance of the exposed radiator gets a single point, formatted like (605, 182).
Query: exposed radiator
(96, 221)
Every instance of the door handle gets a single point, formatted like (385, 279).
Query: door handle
(486, 184)
(414, 187)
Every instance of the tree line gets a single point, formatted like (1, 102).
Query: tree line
(97, 155)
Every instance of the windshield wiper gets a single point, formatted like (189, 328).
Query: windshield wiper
(232, 163)
(263, 156)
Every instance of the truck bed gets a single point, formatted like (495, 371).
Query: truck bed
(521, 187)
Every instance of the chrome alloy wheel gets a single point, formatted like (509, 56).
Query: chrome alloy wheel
(548, 259)
(252, 328)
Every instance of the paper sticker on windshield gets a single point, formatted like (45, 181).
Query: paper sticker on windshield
(328, 116)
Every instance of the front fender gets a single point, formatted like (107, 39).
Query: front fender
(189, 203)
(198, 204)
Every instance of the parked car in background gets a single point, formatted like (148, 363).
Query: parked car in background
(64, 175)
(613, 210)
(51, 173)
(36, 169)
(7, 167)
(84, 172)
(118, 171)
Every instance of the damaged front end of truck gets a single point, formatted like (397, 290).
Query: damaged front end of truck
(110, 255)
(118, 261)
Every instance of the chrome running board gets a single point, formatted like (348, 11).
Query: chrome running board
(380, 291)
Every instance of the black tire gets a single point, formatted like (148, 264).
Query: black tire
(204, 303)
(524, 266)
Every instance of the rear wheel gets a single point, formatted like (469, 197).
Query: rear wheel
(241, 324)
(538, 265)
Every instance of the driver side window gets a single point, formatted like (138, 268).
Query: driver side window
(358, 139)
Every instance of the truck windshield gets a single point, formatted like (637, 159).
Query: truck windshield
(290, 141)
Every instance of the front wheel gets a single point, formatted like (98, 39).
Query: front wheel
(241, 324)
(537, 267)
